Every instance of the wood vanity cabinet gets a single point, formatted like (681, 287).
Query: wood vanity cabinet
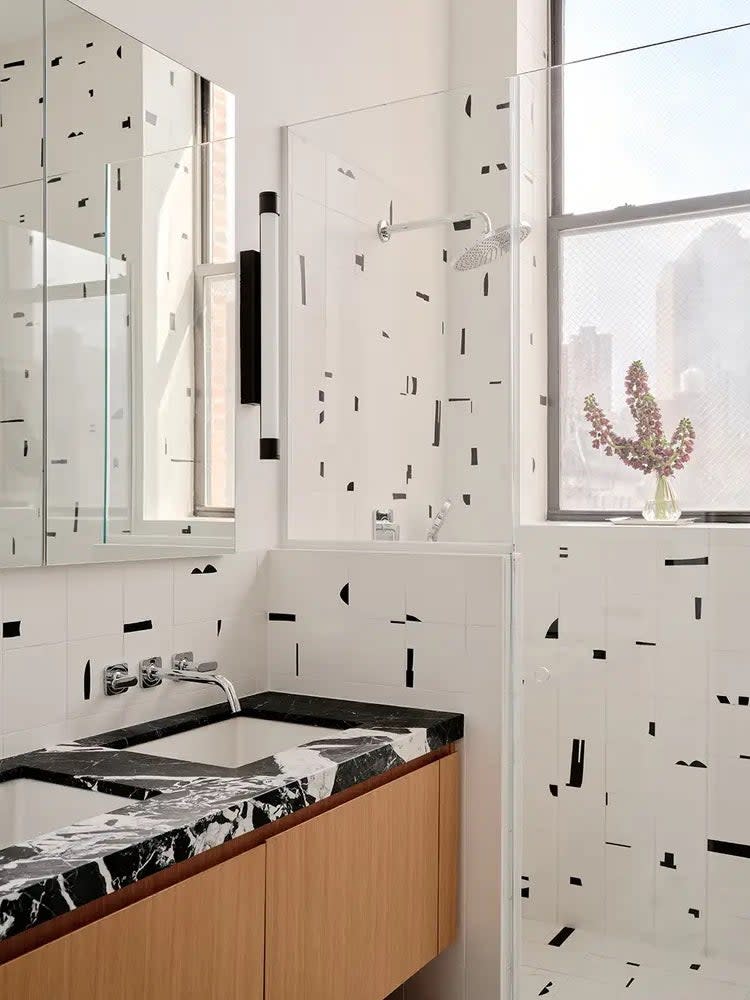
(201, 938)
(356, 899)
(361, 898)
(352, 896)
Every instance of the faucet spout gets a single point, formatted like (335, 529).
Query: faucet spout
(204, 677)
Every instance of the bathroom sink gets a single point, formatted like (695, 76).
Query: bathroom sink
(30, 808)
(234, 742)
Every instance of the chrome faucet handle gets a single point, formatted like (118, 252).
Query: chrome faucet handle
(207, 668)
(117, 680)
(182, 661)
(150, 672)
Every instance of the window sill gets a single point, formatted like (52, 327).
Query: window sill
(735, 530)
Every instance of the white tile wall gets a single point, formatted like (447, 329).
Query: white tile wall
(666, 720)
(34, 682)
(457, 345)
(359, 331)
(38, 601)
(77, 616)
(359, 650)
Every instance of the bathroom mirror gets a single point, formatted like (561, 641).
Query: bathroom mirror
(141, 305)
(118, 294)
(21, 283)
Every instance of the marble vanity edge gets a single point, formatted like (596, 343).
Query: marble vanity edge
(281, 707)
(193, 813)
(109, 786)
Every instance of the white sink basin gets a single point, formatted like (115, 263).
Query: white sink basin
(234, 742)
(30, 808)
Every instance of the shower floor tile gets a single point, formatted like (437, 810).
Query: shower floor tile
(583, 965)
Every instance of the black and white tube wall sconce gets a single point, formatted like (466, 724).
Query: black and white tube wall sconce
(259, 326)
(270, 409)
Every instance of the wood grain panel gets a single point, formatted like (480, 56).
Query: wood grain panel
(206, 935)
(352, 896)
(450, 812)
(199, 940)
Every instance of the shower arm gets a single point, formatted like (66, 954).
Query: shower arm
(386, 229)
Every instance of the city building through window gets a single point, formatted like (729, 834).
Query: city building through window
(649, 249)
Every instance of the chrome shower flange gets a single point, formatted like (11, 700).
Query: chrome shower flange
(384, 230)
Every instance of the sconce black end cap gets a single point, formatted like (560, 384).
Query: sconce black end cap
(269, 202)
(269, 448)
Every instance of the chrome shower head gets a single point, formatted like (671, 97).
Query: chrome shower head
(488, 248)
(491, 244)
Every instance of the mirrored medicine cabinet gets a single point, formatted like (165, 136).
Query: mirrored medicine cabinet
(118, 296)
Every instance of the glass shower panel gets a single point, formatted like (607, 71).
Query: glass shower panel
(633, 173)
(399, 382)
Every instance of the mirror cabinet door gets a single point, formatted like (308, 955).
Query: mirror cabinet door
(21, 283)
(141, 304)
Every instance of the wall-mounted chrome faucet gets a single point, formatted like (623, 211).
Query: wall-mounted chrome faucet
(152, 675)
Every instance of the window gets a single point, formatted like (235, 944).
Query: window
(591, 28)
(650, 246)
(216, 308)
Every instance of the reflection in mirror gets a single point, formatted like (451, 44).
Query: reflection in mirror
(170, 439)
(141, 305)
(21, 283)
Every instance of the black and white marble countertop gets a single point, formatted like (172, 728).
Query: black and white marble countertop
(183, 809)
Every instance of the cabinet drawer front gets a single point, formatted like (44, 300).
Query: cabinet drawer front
(201, 939)
(352, 895)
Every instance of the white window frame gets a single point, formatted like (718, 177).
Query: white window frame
(558, 224)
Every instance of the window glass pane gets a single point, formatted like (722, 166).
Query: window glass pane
(655, 125)
(593, 27)
(221, 291)
(675, 295)
(222, 224)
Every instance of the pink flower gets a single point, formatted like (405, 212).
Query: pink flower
(650, 451)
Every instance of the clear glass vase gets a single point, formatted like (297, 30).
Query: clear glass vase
(664, 507)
